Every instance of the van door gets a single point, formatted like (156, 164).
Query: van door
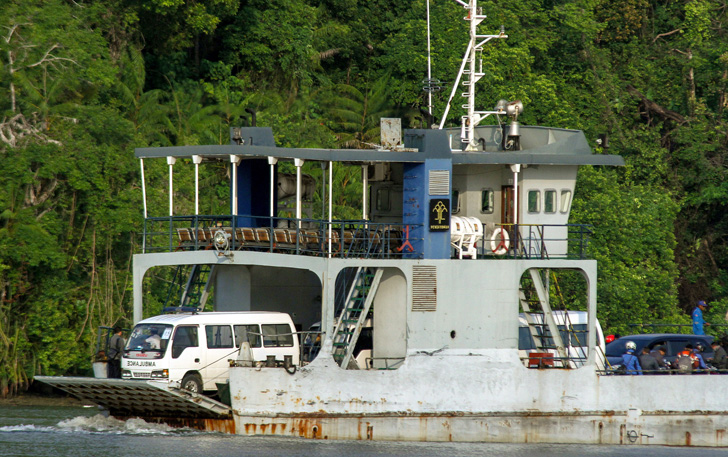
(220, 349)
(186, 354)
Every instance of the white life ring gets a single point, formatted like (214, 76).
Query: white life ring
(499, 241)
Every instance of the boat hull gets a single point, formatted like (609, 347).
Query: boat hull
(479, 397)
(671, 428)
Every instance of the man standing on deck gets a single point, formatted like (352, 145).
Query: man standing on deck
(698, 320)
(116, 348)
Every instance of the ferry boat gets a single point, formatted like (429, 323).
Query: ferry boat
(415, 308)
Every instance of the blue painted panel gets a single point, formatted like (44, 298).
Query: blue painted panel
(416, 204)
(254, 193)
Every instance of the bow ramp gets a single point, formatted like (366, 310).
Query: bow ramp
(151, 400)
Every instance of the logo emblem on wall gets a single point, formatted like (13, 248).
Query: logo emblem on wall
(440, 215)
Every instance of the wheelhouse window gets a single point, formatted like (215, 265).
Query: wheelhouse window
(487, 201)
(383, 200)
(455, 201)
(534, 201)
(549, 201)
(184, 337)
(277, 335)
(219, 336)
(249, 333)
(565, 200)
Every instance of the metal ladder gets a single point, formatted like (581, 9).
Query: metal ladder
(195, 291)
(549, 323)
(355, 312)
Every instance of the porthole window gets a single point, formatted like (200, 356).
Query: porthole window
(534, 201)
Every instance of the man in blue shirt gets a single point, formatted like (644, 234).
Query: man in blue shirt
(698, 320)
(630, 361)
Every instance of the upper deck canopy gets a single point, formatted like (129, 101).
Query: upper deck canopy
(539, 146)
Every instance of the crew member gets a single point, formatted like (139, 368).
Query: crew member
(116, 349)
(698, 320)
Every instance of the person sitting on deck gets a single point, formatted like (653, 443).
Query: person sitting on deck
(698, 351)
(630, 361)
(686, 360)
(658, 352)
(720, 359)
(647, 362)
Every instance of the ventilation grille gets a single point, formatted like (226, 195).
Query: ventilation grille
(439, 182)
(424, 288)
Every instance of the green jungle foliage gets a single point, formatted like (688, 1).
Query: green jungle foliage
(84, 82)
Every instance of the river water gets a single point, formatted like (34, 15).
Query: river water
(74, 431)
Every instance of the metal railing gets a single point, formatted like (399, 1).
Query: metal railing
(537, 241)
(342, 238)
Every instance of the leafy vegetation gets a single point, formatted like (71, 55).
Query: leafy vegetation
(84, 82)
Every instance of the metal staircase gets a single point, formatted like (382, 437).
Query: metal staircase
(195, 291)
(354, 315)
(548, 329)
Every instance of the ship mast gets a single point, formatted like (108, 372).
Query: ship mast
(475, 72)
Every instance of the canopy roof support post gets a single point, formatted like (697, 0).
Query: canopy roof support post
(331, 199)
(235, 160)
(299, 163)
(144, 188)
(272, 161)
(171, 161)
(197, 160)
(365, 188)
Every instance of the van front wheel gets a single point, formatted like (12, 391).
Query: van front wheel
(192, 383)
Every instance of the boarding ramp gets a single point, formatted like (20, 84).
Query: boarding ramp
(135, 398)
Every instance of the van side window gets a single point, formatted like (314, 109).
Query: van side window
(277, 335)
(249, 333)
(184, 337)
(219, 336)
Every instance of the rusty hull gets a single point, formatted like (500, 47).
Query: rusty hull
(699, 428)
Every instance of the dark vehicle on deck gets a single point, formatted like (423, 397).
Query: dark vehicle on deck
(673, 343)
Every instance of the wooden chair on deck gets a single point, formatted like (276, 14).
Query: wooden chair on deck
(185, 239)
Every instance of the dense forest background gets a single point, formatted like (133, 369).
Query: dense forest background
(84, 82)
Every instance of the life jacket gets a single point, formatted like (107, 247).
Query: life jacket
(686, 361)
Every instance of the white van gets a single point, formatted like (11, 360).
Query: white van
(575, 340)
(193, 349)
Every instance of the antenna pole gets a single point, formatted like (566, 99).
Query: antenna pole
(429, 62)
(473, 117)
